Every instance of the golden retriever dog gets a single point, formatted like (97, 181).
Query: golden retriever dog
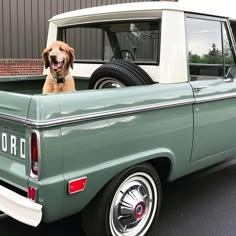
(59, 56)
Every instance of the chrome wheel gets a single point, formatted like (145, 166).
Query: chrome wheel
(133, 206)
(108, 82)
(128, 205)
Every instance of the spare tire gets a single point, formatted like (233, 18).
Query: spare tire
(118, 73)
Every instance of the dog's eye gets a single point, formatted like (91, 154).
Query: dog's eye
(50, 49)
(61, 49)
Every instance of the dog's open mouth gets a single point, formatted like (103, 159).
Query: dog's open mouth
(57, 65)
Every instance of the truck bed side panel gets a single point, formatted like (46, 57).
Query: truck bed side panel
(135, 125)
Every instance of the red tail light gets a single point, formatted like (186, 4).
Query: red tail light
(32, 193)
(34, 154)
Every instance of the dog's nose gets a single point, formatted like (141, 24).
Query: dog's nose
(53, 57)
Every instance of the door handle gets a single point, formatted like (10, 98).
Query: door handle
(199, 88)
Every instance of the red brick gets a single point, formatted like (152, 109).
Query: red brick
(21, 67)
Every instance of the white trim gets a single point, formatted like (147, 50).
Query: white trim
(84, 69)
(52, 36)
(20, 208)
(52, 33)
(173, 57)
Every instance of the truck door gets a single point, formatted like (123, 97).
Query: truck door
(211, 59)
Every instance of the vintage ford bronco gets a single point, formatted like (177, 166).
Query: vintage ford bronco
(169, 109)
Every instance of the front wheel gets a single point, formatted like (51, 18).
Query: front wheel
(127, 206)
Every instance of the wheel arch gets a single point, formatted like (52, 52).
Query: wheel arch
(163, 166)
(162, 160)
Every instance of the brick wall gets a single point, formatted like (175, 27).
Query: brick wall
(10, 67)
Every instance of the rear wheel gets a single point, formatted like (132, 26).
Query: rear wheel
(127, 206)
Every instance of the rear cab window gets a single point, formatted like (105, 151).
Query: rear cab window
(137, 41)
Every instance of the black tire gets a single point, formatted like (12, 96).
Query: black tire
(137, 70)
(107, 216)
(118, 74)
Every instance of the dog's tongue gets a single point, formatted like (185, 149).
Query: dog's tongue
(55, 66)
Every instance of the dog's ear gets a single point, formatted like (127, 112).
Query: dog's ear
(72, 56)
(45, 58)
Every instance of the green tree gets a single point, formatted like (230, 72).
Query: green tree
(214, 56)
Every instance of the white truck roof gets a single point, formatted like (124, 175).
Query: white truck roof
(130, 10)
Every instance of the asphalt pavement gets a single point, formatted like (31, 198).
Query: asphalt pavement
(200, 204)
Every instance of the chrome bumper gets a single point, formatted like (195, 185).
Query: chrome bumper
(20, 208)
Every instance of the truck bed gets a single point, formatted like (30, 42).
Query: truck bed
(33, 84)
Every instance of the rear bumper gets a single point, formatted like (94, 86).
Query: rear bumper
(20, 208)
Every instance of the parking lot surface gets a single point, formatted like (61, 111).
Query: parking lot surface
(200, 204)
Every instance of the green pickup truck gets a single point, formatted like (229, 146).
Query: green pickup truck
(155, 100)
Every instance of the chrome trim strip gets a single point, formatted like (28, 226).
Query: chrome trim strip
(111, 113)
(13, 118)
(215, 98)
(105, 114)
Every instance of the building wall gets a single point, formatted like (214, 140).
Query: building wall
(24, 27)
(15, 67)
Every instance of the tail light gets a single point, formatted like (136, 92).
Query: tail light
(34, 155)
(32, 193)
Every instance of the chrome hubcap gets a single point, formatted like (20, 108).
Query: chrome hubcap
(108, 82)
(133, 206)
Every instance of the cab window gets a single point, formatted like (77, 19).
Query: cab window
(210, 54)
